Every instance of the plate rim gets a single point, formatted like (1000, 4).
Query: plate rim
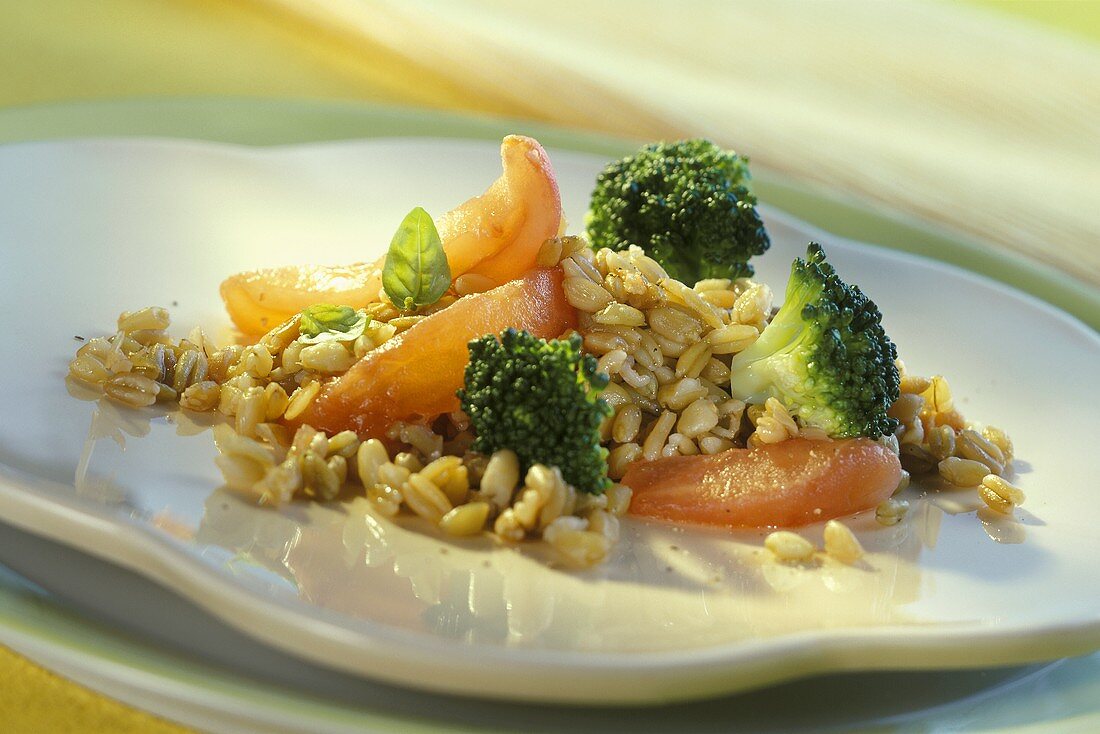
(708, 672)
(644, 676)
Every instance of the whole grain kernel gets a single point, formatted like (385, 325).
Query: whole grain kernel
(962, 472)
(891, 511)
(319, 479)
(579, 266)
(550, 253)
(580, 548)
(604, 523)
(941, 442)
(275, 401)
(276, 435)
(627, 423)
(753, 304)
(732, 339)
(408, 460)
(972, 445)
(467, 519)
(598, 342)
(619, 314)
(150, 317)
(135, 391)
(698, 418)
(621, 457)
(257, 361)
(917, 459)
(914, 384)
(721, 299)
(788, 546)
(585, 295)
(674, 324)
(937, 395)
(89, 369)
(906, 408)
(999, 494)
(250, 411)
(669, 347)
(618, 499)
(658, 435)
(913, 433)
(300, 400)
(507, 527)
(401, 323)
(392, 474)
(501, 476)
(678, 395)
(438, 471)
(330, 357)
(339, 466)
(425, 499)
(612, 362)
(716, 371)
(279, 338)
(1001, 440)
(841, 543)
(344, 443)
(385, 499)
(903, 481)
(191, 367)
(711, 445)
(693, 360)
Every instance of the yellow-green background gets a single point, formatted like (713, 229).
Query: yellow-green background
(66, 50)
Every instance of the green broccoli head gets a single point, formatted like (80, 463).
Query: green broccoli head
(686, 204)
(824, 355)
(540, 399)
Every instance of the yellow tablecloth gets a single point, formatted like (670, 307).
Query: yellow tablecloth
(981, 120)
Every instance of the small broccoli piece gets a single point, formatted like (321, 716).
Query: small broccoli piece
(540, 399)
(686, 204)
(824, 355)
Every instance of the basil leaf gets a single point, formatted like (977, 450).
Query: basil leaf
(323, 322)
(416, 272)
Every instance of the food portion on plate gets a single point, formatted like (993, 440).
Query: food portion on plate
(492, 373)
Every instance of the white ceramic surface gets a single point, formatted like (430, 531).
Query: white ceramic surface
(90, 229)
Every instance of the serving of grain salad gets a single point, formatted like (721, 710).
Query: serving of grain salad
(492, 375)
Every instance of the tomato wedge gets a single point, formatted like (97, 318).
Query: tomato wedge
(788, 484)
(496, 235)
(415, 375)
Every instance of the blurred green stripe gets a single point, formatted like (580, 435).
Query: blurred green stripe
(1080, 18)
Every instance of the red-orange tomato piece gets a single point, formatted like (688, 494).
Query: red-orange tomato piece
(414, 376)
(496, 235)
(788, 484)
(260, 300)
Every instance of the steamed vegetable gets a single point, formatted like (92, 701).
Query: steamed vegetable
(540, 399)
(686, 204)
(824, 355)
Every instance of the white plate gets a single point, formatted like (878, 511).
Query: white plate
(92, 228)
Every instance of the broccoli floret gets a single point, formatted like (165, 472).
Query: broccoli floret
(686, 204)
(540, 399)
(824, 355)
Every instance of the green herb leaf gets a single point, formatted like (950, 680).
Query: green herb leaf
(416, 272)
(323, 322)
